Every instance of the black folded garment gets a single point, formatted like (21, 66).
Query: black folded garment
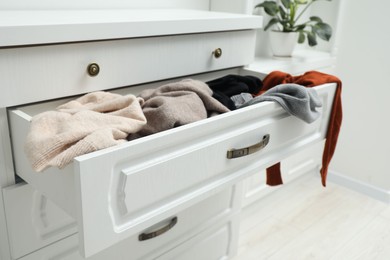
(226, 87)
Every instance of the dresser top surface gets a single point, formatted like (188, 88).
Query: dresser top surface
(30, 27)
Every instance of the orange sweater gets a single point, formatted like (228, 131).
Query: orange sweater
(309, 79)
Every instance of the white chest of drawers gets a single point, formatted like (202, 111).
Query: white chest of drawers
(178, 189)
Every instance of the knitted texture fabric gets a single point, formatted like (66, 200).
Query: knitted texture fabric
(297, 100)
(177, 104)
(94, 121)
(241, 99)
(310, 79)
(226, 87)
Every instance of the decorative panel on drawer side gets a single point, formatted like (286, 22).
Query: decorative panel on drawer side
(33, 221)
(120, 191)
(32, 74)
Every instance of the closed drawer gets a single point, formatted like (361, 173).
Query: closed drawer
(217, 243)
(117, 192)
(54, 71)
(205, 215)
(33, 221)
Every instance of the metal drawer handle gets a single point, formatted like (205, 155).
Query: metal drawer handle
(146, 236)
(235, 153)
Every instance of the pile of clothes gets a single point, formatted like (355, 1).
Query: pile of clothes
(102, 119)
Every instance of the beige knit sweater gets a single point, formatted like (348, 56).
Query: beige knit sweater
(94, 121)
(176, 104)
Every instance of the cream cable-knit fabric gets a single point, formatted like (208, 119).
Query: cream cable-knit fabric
(94, 121)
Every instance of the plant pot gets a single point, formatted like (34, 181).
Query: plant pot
(283, 43)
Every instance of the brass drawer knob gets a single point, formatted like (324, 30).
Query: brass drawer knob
(93, 69)
(217, 53)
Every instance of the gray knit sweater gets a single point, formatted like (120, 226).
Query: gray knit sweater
(297, 100)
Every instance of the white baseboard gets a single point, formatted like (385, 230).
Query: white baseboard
(359, 186)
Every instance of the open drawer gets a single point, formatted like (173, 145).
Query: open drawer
(119, 191)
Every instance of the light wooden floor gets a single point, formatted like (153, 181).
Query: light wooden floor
(305, 221)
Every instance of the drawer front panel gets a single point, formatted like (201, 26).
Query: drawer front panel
(124, 189)
(205, 215)
(214, 244)
(48, 72)
(33, 221)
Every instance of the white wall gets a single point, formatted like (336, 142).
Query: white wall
(330, 13)
(232, 6)
(363, 64)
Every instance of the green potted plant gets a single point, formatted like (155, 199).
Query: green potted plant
(285, 15)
